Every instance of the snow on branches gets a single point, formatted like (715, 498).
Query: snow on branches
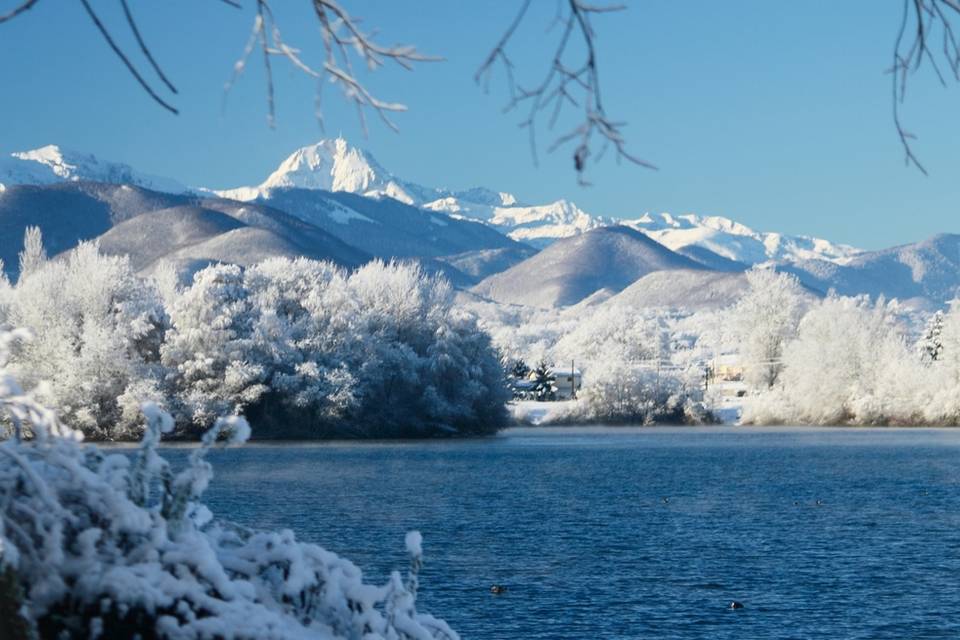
(301, 347)
(96, 545)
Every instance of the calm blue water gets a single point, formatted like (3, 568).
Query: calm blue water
(574, 522)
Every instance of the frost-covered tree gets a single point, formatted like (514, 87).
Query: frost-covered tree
(544, 382)
(34, 255)
(6, 297)
(96, 332)
(763, 320)
(96, 544)
(210, 350)
(848, 364)
(519, 369)
(930, 345)
(306, 350)
(422, 366)
(301, 328)
(303, 347)
(622, 392)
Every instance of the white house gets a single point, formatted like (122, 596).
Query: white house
(568, 382)
(727, 375)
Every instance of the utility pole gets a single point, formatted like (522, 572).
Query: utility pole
(573, 380)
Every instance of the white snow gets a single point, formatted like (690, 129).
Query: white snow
(343, 215)
(335, 165)
(736, 241)
(51, 164)
(88, 542)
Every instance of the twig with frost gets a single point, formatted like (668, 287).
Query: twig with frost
(342, 40)
(909, 53)
(576, 85)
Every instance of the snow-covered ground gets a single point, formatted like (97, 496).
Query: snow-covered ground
(533, 412)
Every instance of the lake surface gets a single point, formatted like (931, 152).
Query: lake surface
(636, 533)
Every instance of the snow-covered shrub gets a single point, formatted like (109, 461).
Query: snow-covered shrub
(848, 364)
(96, 332)
(209, 349)
(421, 366)
(618, 392)
(763, 321)
(629, 373)
(307, 350)
(101, 546)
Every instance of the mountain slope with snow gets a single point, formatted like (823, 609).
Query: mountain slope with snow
(735, 241)
(151, 226)
(388, 228)
(686, 289)
(335, 165)
(572, 269)
(341, 190)
(927, 272)
(52, 164)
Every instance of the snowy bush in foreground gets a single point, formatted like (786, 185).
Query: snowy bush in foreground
(101, 546)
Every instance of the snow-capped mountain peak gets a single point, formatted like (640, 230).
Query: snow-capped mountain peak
(736, 241)
(52, 156)
(335, 165)
(52, 163)
(332, 165)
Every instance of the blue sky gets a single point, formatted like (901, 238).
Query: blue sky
(776, 114)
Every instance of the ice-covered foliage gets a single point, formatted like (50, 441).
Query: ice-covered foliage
(209, 349)
(638, 365)
(302, 347)
(98, 545)
(930, 344)
(96, 332)
(307, 349)
(763, 320)
(850, 364)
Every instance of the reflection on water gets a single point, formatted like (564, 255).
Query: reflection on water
(623, 533)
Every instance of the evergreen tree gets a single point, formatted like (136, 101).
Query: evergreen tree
(544, 383)
(930, 344)
(520, 369)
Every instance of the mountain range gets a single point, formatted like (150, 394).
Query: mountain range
(333, 200)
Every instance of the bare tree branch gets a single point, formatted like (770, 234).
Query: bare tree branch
(143, 46)
(909, 53)
(28, 4)
(123, 58)
(342, 40)
(577, 86)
